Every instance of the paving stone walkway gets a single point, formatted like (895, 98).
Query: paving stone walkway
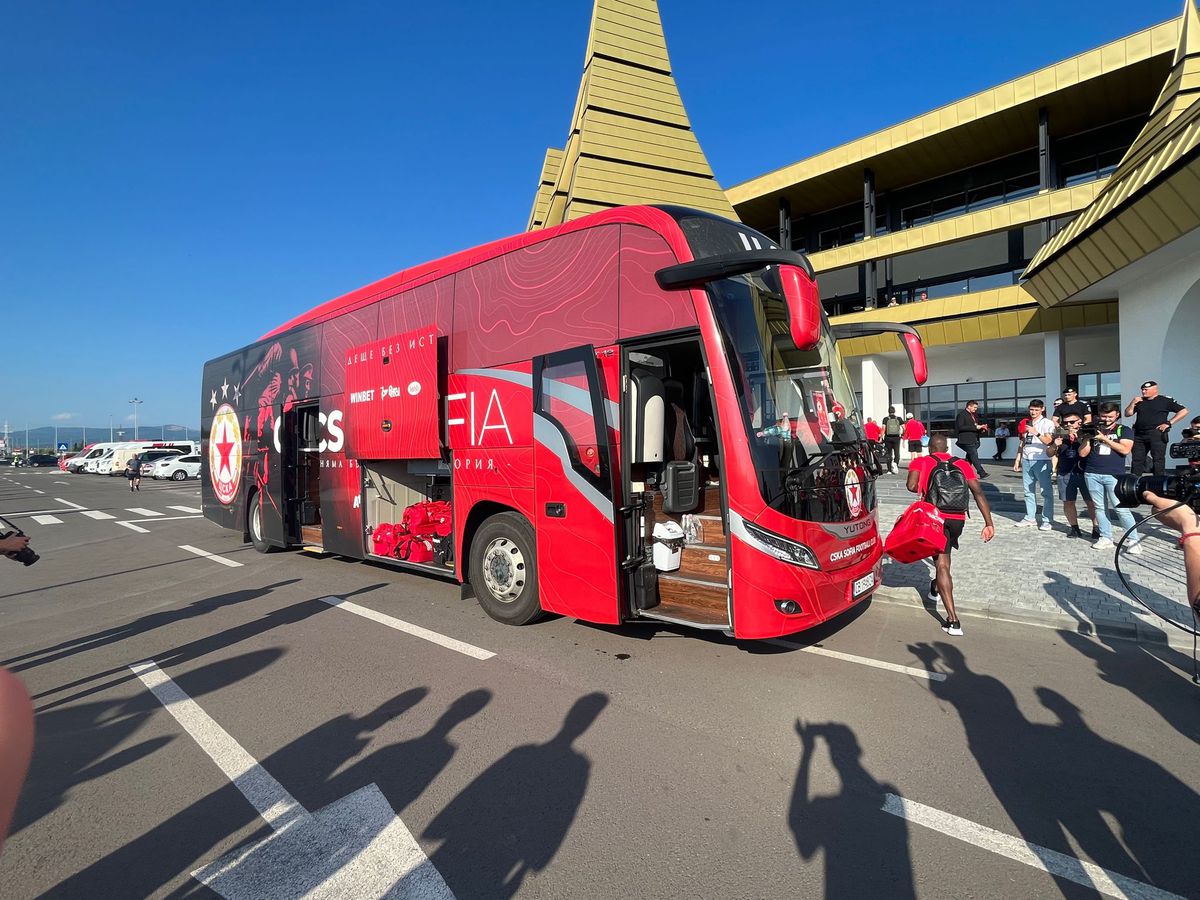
(1046, 577)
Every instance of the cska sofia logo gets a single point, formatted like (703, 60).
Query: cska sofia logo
(854, 499)
(225, 454)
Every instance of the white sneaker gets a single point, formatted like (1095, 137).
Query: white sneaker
(1023, 523)
(1103, 544)
(1135, 549)
(1046, 526)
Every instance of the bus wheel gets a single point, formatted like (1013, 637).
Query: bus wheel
(504, 569)
(254, 524)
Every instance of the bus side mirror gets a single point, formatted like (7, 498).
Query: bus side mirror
(908, 334)
(803, 304)
(647, 411)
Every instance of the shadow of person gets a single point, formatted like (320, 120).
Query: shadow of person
(513, 818)
(1062, 784)
(850, 826)
(148, 622)
(179, 844)
(74, 745)
(404, 769)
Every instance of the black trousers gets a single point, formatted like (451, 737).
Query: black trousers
(972, 454)
(891, 450)
(1153, 443)
(1001, 444)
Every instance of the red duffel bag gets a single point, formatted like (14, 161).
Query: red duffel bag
(918, 534)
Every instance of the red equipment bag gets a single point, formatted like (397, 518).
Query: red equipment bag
(918, 534)
(385, 537)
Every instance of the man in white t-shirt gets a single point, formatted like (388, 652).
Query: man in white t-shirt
(1035, 466)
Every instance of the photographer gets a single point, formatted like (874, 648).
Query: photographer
(1182, 518)
(14, 544)
(1104, 457)
(1071, 481)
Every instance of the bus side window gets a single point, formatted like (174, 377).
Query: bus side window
(566, 400)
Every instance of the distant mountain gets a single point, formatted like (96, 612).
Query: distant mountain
(43, 437)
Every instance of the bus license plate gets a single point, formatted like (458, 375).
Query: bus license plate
(864, 584)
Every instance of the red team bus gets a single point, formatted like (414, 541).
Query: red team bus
(640, 414)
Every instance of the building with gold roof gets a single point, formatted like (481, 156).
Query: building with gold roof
(1039, 234)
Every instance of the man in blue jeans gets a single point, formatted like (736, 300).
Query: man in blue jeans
(1104, 462)
(1035, 466)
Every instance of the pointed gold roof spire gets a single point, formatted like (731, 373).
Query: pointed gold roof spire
(630, 140)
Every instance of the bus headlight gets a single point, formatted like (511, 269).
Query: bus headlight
(780, 547)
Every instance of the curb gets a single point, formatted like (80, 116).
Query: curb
(1145, 631)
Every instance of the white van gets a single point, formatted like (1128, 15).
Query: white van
(77, 464)
(123, 453)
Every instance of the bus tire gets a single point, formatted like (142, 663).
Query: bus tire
(254, 524)
(504, 569)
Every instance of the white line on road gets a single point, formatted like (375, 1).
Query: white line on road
(36, 491)
(409, 628)
(862, 660)
(47, 520)
(68, 503)
(265, 794)
(62, 482)
(136, 528)
(186, 509)
(1057, 864)
(96, 514)
(145, 513)
(355, 847)
(222, 560)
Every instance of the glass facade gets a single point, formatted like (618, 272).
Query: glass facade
(1004, 400)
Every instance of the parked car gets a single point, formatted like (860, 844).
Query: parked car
(177, 468)
(150, 457)
(41, 459)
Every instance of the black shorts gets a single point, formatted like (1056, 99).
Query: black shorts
(914, 446)
(954, 530)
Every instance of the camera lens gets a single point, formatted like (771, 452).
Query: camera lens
(1129, 488)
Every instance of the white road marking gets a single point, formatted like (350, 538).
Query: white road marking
(862, 660)
(68, 503)
(62, 482)
(355, 847)
(409, 628)
(47, 520)
(36, 491)
(1058, 864)
(222, 560)
(136, 528)
(96, 514)
(186, 509)
(145, 513)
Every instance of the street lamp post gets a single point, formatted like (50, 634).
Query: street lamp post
(110, 438)
(134, 403)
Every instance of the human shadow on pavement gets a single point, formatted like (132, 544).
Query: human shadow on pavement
(75, 744)
(1062, 784)
(199, 834)
(513, 818)
(183, 653)
(865, 849)
(141, 625)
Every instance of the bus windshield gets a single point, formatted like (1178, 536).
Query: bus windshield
(798, 406)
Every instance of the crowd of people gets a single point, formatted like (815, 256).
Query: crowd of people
(1075, 450)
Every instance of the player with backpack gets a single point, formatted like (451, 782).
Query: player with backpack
(893, 428)
(948, 483)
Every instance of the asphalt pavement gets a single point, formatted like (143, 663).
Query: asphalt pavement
(282, 723)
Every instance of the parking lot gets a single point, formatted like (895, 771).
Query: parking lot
(216, 721)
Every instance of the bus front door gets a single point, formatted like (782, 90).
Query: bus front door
(573, 488)
(279, 509)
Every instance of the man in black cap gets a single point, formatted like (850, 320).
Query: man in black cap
(1154, 415)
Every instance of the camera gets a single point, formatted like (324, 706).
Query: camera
(1088, 431)
(25, 557)
(1183, 484)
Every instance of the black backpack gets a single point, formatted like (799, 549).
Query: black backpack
(947, 488)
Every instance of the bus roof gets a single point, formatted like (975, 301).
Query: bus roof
(652, 217)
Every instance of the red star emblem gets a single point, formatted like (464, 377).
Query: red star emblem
(225, 448)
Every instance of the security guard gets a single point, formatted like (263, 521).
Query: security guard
(1154, 415)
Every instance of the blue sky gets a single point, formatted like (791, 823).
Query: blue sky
(176, 179)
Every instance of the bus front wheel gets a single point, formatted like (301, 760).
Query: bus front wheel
(504, 569)
(254, 524)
